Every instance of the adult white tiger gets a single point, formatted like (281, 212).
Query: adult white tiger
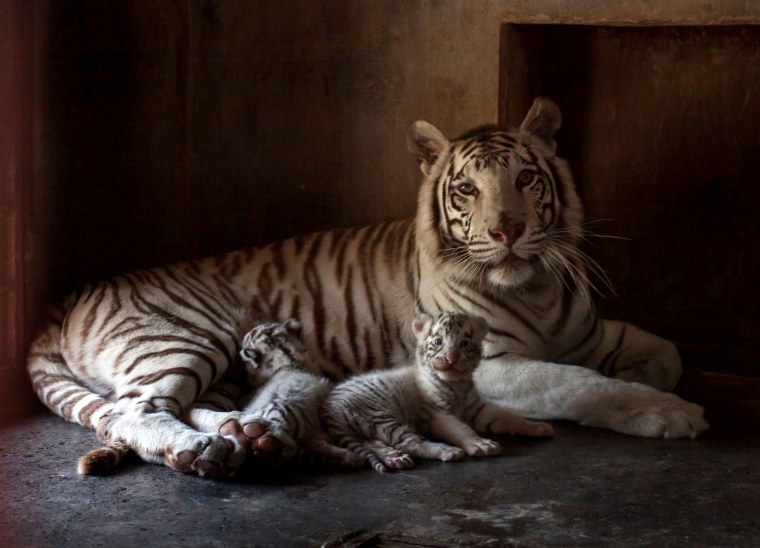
(495, 234)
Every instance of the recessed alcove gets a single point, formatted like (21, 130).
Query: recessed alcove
(661, 126)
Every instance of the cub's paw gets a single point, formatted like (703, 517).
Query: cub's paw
(646, 412)
(397, 460)
(352, 460)
(482, 447)
(538, 429)
(205, 455)
(448, 453)
(253, 433)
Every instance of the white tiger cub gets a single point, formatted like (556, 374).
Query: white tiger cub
(285, 396)
(382, 415)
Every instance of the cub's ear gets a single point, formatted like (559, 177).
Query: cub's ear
(420, 324)
(248, 354)
(252, 357)
(426, 142)
(294, 327)
(543, 120)
(480, 328)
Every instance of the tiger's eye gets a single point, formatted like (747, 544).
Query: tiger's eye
(525, 177)
(466, 188)
(438, 341)
(464, 344)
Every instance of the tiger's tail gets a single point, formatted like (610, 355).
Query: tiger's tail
(102, 460)
(318, 460)
(336, 427)
(55, 383)
(357, 446)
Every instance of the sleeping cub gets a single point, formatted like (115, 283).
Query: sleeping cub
(288, 397)
(284, 397)
(381, 415)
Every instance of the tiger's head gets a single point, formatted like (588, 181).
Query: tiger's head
(449, 344)
(497, 205)
(271, 347)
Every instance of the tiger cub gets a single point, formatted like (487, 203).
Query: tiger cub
(286, 396)
(383, 415)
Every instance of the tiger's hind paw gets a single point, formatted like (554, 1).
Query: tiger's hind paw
(263, 448)
(206, 455)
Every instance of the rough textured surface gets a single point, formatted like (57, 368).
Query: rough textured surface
(585, 487)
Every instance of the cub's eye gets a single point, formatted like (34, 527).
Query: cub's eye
(468, 189)
(524, 178)
(465, 343)
(438, 341)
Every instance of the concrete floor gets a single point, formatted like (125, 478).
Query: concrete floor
(585, 487)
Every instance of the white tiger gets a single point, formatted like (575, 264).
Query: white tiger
(495, 234)
(383, 415)
(285, 399)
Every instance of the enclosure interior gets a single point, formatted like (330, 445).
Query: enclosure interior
(660, 129)
(153, 135)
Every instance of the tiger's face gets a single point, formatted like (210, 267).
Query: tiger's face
(449, 344)
(498, 205)
(270, 347)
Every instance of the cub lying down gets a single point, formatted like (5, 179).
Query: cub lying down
(286, 396)
(384, 415)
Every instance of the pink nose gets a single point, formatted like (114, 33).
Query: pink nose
(508, 234)
(452, 359)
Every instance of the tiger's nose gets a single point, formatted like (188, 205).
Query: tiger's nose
(452, 358)
(508, 234)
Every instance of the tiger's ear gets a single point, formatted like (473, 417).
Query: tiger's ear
(480, 328)
(543, 120)
(251, 357)
(426, 142)
(294, 327)
(420, 324)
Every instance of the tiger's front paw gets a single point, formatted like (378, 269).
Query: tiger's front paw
(646, 412)
(482, 447)
(538, 429)
(448, 453)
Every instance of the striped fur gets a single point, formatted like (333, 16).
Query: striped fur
(385, 415)
(495, 234)
(289, 395)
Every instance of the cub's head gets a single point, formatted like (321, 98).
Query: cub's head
(270, 347)
(497, 205)
(449, 344)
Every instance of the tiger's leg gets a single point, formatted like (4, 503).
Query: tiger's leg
(449, 428)
(545, 390)
(322, 446)
(492, 419)
(417, 446)
(217, 412)
(631, 354)
(389, 456)
(145, 419)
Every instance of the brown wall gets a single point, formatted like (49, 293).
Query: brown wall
(172, 129)
(16, 39)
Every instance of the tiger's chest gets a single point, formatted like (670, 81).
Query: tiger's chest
(546, 323)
